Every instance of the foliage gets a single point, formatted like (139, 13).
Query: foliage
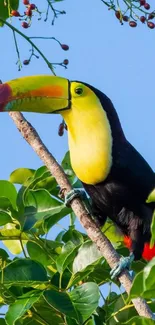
(58, 281)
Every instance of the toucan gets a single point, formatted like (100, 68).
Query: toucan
(118, 180)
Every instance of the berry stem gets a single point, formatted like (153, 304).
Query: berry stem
(17, 50)
(29, 41)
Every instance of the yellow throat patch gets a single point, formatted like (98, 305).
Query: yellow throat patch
(90, 138)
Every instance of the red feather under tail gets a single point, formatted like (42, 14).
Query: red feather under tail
(148, 252)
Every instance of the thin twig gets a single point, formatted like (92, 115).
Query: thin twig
(94, 233)
(29, 41)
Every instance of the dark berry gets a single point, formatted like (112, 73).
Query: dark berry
(151, 16)
(28, 12)
(65, 62)
(66, 128)
(26, 62)
(65, 47)
(25, 24)
(147, 6)
(142, 2)
(142, 19)
(15, 13)
(132, 23)
(125, 18)
(32, 6)
(26, 2)
(151, 25)
(61, 129)
(117, 14)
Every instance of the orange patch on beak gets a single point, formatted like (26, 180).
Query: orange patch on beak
(48, 91)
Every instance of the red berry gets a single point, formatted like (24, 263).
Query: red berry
(151, 16)
(125, 18)
(26, 62)
(25, 24)
(15, 13)
(28, 12)
(142, 2)
(117, 14)
(26, 2)
(151, 25)
(65, 62)
(147, 6)
(32, 6)
(61, 129)
(65, 47)
(142, 19)
(132, 23)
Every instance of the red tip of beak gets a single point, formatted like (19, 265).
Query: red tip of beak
(5, 95)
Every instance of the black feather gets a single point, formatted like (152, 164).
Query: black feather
(122, 196)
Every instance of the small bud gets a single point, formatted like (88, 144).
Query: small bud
(117, 14)
(151, 16)
(151, 25)
(28, 12)
(142, 19)
(132, 23)
(32, 6)
(65, 62)
(142, 2)
(125, 18)
(147, 6)
(25, 24)
(15, 13)
(61, 129)
(26, 62)
(26, 2)
(65, 47)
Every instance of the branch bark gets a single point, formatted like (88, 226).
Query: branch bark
(94, 233)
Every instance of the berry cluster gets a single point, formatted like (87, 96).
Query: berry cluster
(30, 7)
(143, 6)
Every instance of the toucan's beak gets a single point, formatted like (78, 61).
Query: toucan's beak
(40, 94)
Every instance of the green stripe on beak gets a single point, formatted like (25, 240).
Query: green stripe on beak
(39, 94)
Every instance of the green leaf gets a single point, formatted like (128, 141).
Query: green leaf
(87, 254)
(20, 175)
(61, 302)
(50, 315)
(8, 191)
(137, 320)
(5, 9)
(66, 257)
(21, 306)
(40, 204)
(23, 272)
(2, 321)
(110, 232)
(143, 284)
(5, 203)
(73, 235)
(85, 299)
(14, 245)
(153, 230)
(42, 255)
(4, 218)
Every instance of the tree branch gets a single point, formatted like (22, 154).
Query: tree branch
(94, 233)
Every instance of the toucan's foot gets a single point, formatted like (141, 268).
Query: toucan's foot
(74, 194)
(124, 263)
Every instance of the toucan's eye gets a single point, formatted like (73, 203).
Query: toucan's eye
(79, 91)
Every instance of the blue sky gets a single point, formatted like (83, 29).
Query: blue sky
(116, 59)
(119, 60)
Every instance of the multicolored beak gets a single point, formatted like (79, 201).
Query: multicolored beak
(39, 94)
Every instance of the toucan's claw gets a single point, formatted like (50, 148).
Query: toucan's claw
(74, 194)
(124, 263)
